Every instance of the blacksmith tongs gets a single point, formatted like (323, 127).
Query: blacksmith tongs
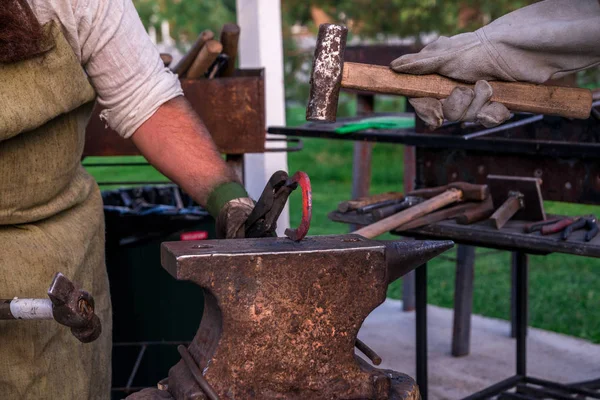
(262, 222)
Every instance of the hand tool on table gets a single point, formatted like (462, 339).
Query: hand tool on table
(68, 305)
(355, 204)
(566, 226)
(281, 318)
(589, 223)
(456, 192)
(184, 64)
(262, 221)
(205, 58)
(483, 211)
(538, 225)
(437, 216)
(230, 36)
(384, 212)
(515, 197)
(330, 73)
(372, 207)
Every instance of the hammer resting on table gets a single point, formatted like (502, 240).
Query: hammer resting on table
(455, 192)
(330, 74)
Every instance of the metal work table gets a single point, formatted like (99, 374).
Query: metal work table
(510, 238)
(566, 150)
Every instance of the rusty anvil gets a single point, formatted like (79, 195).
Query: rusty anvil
(281, 318)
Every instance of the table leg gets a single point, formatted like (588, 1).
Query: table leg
(463, 300)
(408, 291)
(361, 172)
(408, 281)
(521, 300)
(513, 295)
(421, 328)
(361, 163)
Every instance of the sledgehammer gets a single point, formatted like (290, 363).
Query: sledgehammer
(330, 74)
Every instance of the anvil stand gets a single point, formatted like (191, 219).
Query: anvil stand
(281, 317)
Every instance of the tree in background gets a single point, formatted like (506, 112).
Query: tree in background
(372, 21)
(187, 18)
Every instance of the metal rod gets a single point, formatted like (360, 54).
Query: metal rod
(421, 327)
(36, 309)
(371, 207)
(560, 386)
(367, 351)
(504, 127)
(463, 300)
(513, 396)
(136, 366)
(591, 384)
(408, 292)
(197, 374)
(495, 389)
(542, 392)
(521, 311)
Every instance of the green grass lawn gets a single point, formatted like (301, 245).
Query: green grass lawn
(564, 290)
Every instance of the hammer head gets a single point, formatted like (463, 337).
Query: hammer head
(74, 308)
(326, 76)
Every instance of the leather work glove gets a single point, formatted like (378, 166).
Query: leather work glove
(546, 40)
(230, 205)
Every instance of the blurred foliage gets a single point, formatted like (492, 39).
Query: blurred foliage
(372, 20)
(379, 20)
(187, 18)
(401, 17)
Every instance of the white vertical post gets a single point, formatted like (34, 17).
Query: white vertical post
(261, 46)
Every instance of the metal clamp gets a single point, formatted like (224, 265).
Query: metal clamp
(299, 145)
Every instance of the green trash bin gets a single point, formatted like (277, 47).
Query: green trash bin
(152, 311)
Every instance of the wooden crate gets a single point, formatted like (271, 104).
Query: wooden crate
(233, 109)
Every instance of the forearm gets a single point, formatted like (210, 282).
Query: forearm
(176, 142)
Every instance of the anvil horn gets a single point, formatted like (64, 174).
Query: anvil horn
(405, 255)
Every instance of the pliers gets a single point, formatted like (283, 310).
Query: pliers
(567, 226)
(262, 222)
(589, 223)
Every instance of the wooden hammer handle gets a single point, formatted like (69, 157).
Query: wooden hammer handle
(506, 211)
(516, 96)
(184, 64)
(438, 216)
(208, 54)
(390, 223)
(230, 36)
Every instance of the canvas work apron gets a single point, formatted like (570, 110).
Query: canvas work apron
(51, 219)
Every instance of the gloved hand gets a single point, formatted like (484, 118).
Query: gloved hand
(230, 205)
(546, 40)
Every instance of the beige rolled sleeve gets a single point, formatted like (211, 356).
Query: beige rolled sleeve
(123, 64)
